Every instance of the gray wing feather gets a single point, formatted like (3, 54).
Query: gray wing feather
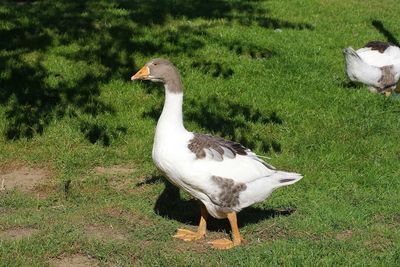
(217, 148)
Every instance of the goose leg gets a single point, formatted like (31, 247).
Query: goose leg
(187, 235)
(236, 237)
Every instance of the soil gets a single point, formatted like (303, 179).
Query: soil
(76, 260)
(22, 177)
(17, 233)
(344, 235)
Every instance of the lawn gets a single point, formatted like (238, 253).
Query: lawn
(76, 134)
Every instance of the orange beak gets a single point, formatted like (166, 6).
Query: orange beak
(142, 74)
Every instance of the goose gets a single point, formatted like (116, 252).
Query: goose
(224, 175)
(377, 65)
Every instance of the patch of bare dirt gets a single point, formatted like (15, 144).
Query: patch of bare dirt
(21, 177)
(17, 233)
(77, 260)
(103, 232)
(114, 170)
(344, 235)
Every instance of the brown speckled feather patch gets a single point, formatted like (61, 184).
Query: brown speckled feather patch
(387, 79)
(228, 197)
(217, 147)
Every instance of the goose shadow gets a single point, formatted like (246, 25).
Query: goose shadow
(171, 205)
(351, 85)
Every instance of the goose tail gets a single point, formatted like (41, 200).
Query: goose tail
(353, 60)
(260, 189)
(350, 53)
(359, 71)
(286, 178)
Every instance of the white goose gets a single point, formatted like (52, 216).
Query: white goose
(377, 65)
(225, 176)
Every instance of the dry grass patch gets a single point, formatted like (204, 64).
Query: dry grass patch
(76, 260)
(344, 235)
(23, 177)
(198, 246)
(379, 243)
(271, 232)
(119, 184)
(118, 174)
(17, 233)
(103, 232)
(114, 170)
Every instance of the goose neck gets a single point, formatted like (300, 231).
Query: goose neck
(171, 118)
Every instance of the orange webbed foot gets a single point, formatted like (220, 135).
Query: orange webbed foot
(187, 235)
(223, 243)
(226, 243)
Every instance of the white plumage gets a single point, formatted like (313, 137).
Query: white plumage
(172, 155)
(225, 176)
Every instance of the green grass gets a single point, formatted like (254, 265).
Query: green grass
(67, 105)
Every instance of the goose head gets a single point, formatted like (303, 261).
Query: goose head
(160, 70)
(156, 70)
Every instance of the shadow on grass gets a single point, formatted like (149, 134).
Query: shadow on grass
(388, 35)
(43, 42)
(352, 85)
(171, 205)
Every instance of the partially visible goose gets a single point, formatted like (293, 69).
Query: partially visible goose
(377, 65)
(225, 176)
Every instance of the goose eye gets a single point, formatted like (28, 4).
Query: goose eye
(155, 64)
